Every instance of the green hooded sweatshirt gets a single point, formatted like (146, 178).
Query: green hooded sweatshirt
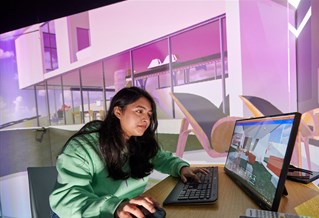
(84, 187)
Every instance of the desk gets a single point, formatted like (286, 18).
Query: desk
(232, 201)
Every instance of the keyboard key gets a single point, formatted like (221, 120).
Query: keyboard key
(191, 192)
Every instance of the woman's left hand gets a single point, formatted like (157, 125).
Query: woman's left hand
(190, 172)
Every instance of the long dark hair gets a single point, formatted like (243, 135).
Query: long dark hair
(138, 150)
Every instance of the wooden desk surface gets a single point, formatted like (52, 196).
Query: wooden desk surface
(232, 201)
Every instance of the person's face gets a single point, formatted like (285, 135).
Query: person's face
(135, 118)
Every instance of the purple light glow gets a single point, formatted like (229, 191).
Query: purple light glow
(15, 104)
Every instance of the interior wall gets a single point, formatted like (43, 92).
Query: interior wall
(308, 56)
(152, 20)
(29, 69)
(265, 53)
(254, 53)
(114, 22)
(234, 82)
(63, 47)
(315, 51)
(78, 20)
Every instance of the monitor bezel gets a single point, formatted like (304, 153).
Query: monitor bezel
(280, 190)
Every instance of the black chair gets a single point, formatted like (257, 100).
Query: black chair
(259, 106)
(210, 125)
(41, 183)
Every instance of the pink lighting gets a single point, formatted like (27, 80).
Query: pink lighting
(294, 3)
(297, 31)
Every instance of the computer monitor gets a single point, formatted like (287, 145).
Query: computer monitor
(260, 154)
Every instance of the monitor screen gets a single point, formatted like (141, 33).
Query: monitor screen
(259, 156)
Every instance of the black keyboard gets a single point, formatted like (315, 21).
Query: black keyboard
(205, 192)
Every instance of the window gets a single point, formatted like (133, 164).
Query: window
(83, 36)
(199, 54)
(49, 46)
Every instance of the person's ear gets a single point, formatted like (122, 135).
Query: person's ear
(117, 112)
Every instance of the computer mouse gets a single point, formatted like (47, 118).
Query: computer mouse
(159, 213)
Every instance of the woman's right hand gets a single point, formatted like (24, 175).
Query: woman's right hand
(129, 208)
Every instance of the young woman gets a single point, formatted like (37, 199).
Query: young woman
(103, 169)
